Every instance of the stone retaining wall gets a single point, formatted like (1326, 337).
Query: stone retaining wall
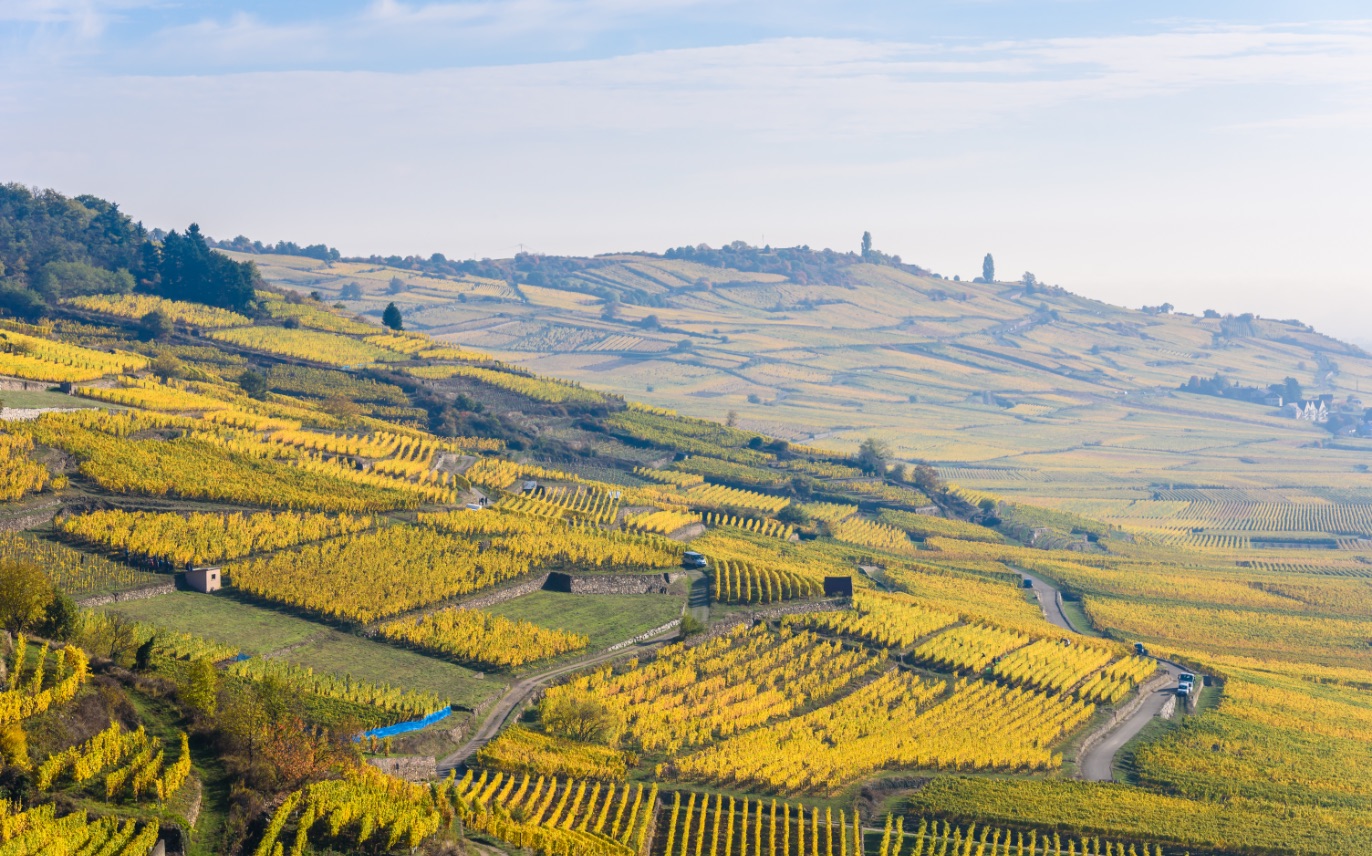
(614, 583)
(771, 612)
(501, 595)
(1147, 688)
(28, 519)
(193, 805)
(28, 414)
(14, 384)
(411, 768)
(121, 597)
(643, 637)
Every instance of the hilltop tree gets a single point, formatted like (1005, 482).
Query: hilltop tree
(988, 268)
(391, 317)
(866, 244)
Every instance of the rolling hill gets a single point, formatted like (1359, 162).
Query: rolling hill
(1034, 392)
(265, 561)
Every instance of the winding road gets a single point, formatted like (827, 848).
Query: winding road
(1097, 763)
(1048, 602)
(521, 689)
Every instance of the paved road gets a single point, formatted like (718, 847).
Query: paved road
(1097, 764)
(1048, 602)
(525, 687)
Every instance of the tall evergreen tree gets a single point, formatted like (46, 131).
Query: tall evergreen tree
(187, 269)
(866, 244)
(988, 268)
(391, 317)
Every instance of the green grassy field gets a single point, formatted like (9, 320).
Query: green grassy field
(605, 618)
(220, 618)
(258, 631)
(376, 662)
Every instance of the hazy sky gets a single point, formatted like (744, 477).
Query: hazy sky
(1210, 154)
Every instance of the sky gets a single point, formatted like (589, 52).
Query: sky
(1206, 154)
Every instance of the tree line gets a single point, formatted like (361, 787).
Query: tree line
(53, 246)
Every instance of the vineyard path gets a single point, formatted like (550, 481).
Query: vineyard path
(526, 686)
(1098, 763)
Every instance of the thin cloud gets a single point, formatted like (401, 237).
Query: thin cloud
(1162, 156)
(86, 19)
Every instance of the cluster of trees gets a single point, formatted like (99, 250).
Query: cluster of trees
(1289, 389)
(801, 264)
(874, 459)
(185, 268)
(875, 256)
(242, 244)
(1238, 326)
(52, 247)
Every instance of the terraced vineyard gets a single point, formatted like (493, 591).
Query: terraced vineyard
(434, 560)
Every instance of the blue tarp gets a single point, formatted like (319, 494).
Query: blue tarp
(405, 727)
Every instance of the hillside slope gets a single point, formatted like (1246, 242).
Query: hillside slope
(1034, 391)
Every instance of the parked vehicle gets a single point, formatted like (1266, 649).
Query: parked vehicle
(1186, 684)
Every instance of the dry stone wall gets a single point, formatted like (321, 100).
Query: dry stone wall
(123, 596)
(613, 583)
(500, 595)
(770, 613)
(28, 519)
(413, 768)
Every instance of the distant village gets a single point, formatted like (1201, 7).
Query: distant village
(1347, 418)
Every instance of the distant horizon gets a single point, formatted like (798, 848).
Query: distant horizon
(1141, 155)
(1365, 342)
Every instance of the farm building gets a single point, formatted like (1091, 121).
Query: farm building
(204, 579)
